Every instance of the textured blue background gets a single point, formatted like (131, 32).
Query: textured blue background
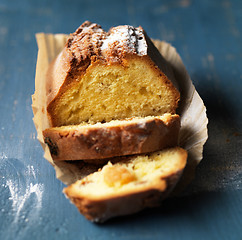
(207, 34)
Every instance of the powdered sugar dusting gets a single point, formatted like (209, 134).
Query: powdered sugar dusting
(126, 38)
(141, 42)
(18, 200)
(20, 194)
(91, 41)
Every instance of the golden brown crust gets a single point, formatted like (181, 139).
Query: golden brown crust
(105, 141)
(100, 209)
(83, 50)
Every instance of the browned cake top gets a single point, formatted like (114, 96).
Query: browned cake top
(91, 41)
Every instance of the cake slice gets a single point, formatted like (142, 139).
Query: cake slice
(129, 185)
(102, 76)
(115, 138)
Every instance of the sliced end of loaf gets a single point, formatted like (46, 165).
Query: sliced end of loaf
(129, 185)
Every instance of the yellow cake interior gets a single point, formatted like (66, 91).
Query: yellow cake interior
(138, 172)
(109, 92)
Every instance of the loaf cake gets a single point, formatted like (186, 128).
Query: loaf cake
(102, 76)
(115, 138)
(129, 185)
(111, 96)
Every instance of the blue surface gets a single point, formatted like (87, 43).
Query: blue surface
(207, 34)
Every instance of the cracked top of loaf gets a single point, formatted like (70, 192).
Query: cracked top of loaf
(90, 40)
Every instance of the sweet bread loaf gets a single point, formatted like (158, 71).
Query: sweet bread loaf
(115, 138)
(111, 96)
(102, 76)
(129, 185)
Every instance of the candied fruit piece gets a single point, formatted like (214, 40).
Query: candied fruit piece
(117, 175)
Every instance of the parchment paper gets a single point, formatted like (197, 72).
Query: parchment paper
(194, 121)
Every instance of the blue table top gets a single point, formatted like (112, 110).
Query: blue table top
(208, 36)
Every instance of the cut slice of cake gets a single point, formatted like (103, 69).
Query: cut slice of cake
(129, 185)
(102, 76)
(115, 138)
